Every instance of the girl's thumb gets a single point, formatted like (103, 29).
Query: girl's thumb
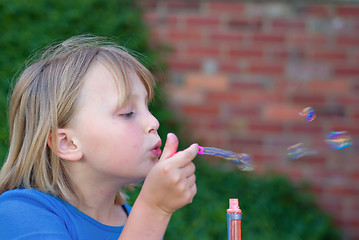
(170, 147)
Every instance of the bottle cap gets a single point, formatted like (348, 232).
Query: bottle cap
(233, 206)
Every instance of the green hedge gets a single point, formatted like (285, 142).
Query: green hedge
(273, 208)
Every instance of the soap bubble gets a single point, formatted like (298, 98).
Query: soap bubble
(308, 113)
(299, 150)
(242, 160)
(339, 140)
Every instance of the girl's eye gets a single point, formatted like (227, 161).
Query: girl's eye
(128, 115)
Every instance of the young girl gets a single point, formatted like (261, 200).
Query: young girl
(80, 130)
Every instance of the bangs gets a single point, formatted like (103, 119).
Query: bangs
(122, 66)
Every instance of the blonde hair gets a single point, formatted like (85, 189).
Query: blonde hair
(44, 99)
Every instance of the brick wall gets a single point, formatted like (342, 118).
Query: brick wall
(241, 72)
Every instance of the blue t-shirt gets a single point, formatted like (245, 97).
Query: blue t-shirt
(31, 214)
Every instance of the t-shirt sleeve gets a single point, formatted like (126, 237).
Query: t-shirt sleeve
(29, 216)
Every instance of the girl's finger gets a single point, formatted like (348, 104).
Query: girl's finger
(170, 147)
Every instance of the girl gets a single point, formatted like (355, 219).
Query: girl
(80, 130)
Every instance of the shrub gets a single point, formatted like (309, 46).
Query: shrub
(272, 208)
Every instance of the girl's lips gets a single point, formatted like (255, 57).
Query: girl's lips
(156, 151)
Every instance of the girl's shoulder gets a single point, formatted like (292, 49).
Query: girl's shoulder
(27, 196)
(29, 211)
(26, 212)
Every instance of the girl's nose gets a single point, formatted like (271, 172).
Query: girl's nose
(152, 123)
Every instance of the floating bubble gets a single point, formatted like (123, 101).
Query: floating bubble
(339, 140)
(299, 150)
(308, 113)
(241, 160)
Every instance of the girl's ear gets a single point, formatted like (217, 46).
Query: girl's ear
(67, 146)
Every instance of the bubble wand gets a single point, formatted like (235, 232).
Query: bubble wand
(242, 159)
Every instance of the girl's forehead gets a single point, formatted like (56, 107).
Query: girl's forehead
(102, 82)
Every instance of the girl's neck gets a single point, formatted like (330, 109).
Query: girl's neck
(103, 209)
(98, 194)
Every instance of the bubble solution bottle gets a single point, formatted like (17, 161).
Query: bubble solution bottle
(234, 217)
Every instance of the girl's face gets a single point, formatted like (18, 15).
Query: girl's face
(116, 143)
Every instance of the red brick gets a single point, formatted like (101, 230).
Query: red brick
(347, 40)
(295, 174)
(177, 5)
(156, 36)
(329, 55)
(308, 99)
(356, 115)
(344, 191)
(317, 189)
(181, 95)
(262, 127)
(285, 84)
(229, 67)
(307, 129)
(228, 97)
(262, 97)
(214, 124)
(267, 38)
(202, 52)
(354, 176)
(346, 71)
(183, 65)
(347, 11)
(200, 110)
(317, 10)
(176, 36)
(260, 157)
(207, 82)
(246, 141)
(353, 225)
(244, 111)
(246, 86)
(202, 21)
(245, 52)
(152, 18)
(351, 130)
(338, 86)
(226, 7)
(281, 143)
(248, 24)
(333, 206)
(348, 100)
(303, 39)
(277, 53)
(226, 36)
(147, 4)
(313, 160)
(332, 112)
(287, 25)
(268, 69)
(281, 112)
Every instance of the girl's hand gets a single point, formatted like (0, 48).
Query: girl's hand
(171, 183)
